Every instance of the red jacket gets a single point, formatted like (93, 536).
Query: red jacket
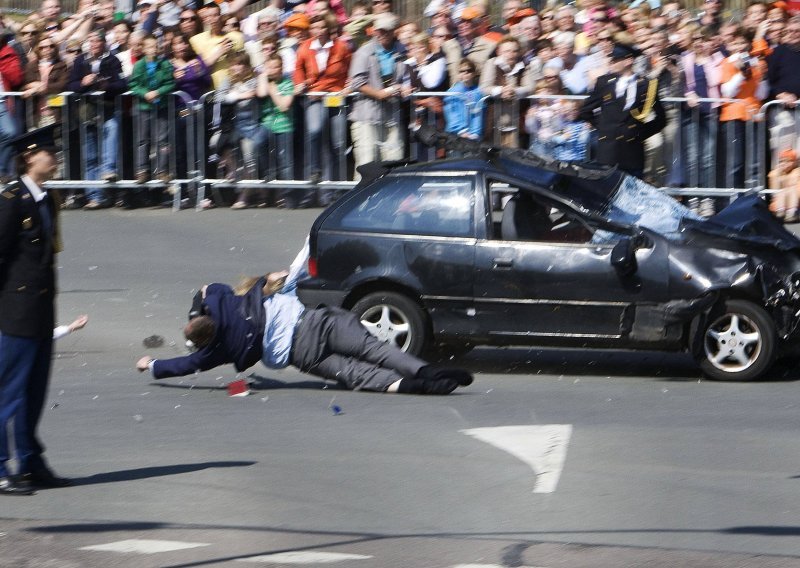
(335, 74)
(10, 68)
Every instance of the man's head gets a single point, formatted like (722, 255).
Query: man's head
(755, 14)
(50, 9)
(381, 6)
(565, 18)
(791, 33)
(188, 22)
(738, 42)
(212, 17)
(508, 50)
(150, 47)
(122, 31)
(318, 28)
(200, 331)
(97, 43)
(296, 26)
(384, 27)
(470, 22)
(509, 9)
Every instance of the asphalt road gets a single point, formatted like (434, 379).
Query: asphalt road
(617, 460)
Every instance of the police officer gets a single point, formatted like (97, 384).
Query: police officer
(625, 110)
(28, 244)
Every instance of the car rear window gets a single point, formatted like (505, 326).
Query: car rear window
(418, 205)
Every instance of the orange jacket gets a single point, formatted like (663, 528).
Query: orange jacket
(335, 74)
(749, 105)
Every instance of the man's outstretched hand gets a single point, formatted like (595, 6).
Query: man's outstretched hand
(143, 364)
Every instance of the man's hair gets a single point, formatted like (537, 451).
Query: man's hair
(200, 331)
(508, 39)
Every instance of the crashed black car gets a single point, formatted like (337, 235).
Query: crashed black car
(578, 256)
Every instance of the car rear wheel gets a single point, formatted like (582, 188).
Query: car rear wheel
(739, 342)
(395, 319)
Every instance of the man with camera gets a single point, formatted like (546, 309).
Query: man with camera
(740, 79)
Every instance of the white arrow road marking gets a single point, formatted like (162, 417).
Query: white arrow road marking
(542, 447)
(141, 546)
(304, 558)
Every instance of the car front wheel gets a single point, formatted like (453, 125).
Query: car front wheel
(395, 319)
(739, 342)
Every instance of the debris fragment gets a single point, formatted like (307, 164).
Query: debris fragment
(153, 341)
(138, 417)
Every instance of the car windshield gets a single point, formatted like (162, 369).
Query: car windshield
(639, 203)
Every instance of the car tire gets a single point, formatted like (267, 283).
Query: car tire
(739, 342)
(394, 318)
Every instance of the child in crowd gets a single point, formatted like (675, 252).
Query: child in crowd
(571, 142)
(463, 110)
(786, 180)
(151, 80)
(544, 120)
(239, 90)
(276, 131)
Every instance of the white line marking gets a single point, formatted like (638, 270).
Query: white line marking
(543, 447)
(142, 546)
(304, 558)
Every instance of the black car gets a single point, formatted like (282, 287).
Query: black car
(578, 256)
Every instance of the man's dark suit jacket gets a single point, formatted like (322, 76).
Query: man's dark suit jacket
(27, 273)
(237, 339)
(111, 80)
(620, 136)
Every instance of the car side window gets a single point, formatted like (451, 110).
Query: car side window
(418, 205)
(525, 217)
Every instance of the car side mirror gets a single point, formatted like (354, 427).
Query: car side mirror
(623, 256)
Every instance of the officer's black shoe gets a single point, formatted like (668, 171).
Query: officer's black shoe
(10, 487)
(45, 479)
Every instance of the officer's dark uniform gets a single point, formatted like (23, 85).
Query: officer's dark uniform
(27, 294)
(621, 133)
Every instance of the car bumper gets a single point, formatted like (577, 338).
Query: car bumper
(313, 297)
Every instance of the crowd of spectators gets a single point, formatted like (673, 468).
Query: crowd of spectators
(298, 84)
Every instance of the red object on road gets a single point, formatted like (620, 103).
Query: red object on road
(238, 388)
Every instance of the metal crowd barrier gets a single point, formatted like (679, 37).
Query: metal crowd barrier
(696, 155)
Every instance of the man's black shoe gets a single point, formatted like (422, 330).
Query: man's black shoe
(433, 373)
(10, 487)
(45, 479)
(442, 386)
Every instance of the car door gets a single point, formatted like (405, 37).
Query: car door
(560, 285)
(415, 231)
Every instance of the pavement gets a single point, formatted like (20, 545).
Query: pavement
(552, 458)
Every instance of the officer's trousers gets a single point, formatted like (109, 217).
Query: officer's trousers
(331, 343)
(24, 374)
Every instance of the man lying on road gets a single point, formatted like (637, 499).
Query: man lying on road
(268, 322)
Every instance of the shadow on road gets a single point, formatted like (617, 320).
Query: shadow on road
(662, 366)
(513, 554)
(155, 471)
(258, 383)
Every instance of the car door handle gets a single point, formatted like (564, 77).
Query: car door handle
(502, 263)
